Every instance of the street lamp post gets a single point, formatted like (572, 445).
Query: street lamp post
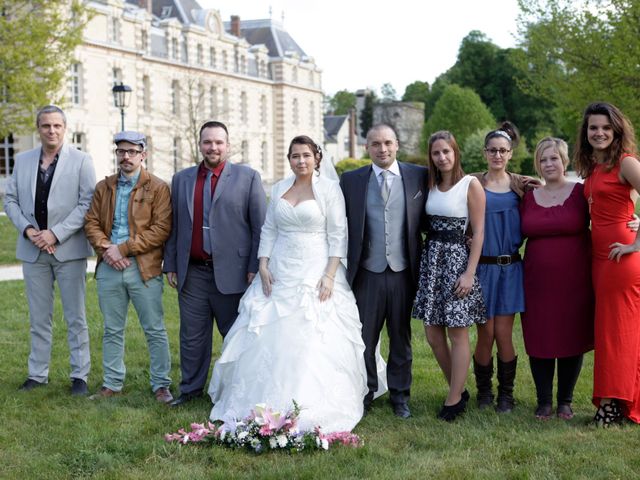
(121, 98)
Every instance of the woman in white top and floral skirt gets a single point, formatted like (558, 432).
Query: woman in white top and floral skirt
(449, 299)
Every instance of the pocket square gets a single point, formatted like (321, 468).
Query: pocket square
(417, 195)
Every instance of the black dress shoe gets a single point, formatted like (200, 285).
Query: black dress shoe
(30, 384)
(401, 410)
(79, 387)
(449, 413)
(185, 398)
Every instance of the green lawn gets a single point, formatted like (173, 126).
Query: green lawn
(48, 434)
(8, 235)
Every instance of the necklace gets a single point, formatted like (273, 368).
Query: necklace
(590, 181)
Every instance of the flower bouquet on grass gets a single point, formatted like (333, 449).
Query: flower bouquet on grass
(264, 430)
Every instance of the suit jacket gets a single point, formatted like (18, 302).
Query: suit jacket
(72, 187)
(354, 186)
(237, 212)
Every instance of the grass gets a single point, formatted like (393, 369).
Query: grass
(48, 434)
(8, 235)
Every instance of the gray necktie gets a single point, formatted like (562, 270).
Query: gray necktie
(206, 208)
(384, 187)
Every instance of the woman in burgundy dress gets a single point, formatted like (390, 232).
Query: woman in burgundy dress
(558, 322)
(606, 156)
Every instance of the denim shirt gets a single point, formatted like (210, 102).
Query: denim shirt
(120, 230)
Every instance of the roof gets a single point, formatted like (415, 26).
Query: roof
(332, 125)
(270, 33)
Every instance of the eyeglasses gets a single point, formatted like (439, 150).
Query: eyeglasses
(132, 152)
(495, 151)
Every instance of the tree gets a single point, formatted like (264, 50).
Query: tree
(388, 93)
(38, 38)
(342, 102)
(461, 111)
(366, 115)
(577, 52)
(417, 91)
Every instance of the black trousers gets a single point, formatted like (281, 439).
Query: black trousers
(543, 370)
(386, 296)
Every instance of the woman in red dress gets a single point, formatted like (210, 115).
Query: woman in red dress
(606, 157)
(557, 271)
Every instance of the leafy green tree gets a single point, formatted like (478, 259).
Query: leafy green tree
(417, 91)
(366, 115)
(579, 51)
(389, 93)
(348, 164)
(459, 110)
(471, 152)
(36, 51)
(437, 89)
(342, 102)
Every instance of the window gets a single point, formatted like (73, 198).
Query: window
(77, 140)
(174, 48)
(311, 78)
(263, 110)
(146, 94)
(144, 41)
(243, 64)
(312, 114)
(114, 30)
(116, 74)
(149, 159)
(212, 57)
(264, 158)
(75, 83)
(214, 102)
(199, 55)
(294, 75)
(295, 112)
(243, 107)
(175, 152)
(225, 103)
(225, 61)
(175, 97)
(185, 49)
(6, 155)
(200, 101)
(245, 151)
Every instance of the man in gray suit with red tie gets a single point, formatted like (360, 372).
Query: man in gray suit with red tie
(47, 197)
(385, 207)
(212, 253)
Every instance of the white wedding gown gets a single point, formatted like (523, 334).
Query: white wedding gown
(290, 346)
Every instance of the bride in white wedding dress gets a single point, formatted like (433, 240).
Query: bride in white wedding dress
(298, 333)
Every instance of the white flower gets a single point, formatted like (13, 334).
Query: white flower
(223, 434)
(282, 440)
(325, 444)
(273, 443)
(242, 435)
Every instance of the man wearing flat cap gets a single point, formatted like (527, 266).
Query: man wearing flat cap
(127, 224)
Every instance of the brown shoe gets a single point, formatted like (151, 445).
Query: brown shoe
(163, 395)
(104, 393)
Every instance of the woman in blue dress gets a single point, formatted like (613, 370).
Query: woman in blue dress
(500, 269)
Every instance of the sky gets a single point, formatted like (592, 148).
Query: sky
(364, 44)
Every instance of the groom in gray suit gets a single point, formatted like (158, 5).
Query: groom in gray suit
(47, 197)
(212, 253)
(385, 210)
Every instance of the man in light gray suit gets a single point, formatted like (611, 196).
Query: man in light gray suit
(47, 197)
(212, 253)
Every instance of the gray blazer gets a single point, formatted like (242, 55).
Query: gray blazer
(71, 191)
(236, 218)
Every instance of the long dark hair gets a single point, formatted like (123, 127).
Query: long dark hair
(315, 149)
(435, 177)
(624, 139)
(508, 128)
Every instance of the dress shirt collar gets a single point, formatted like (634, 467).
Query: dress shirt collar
(394, 169)
(203, 171)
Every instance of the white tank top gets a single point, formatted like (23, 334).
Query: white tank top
(452, 203)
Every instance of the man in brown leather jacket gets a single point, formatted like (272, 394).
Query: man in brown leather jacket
(127, 224)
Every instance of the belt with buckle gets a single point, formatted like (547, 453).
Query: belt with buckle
(200, 262)
(502, 260)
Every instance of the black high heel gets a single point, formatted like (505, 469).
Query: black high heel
(608, 414)
(449, 413)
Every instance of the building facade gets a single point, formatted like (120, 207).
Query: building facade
(186, 66)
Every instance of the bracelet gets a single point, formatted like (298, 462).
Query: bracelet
(332, 277)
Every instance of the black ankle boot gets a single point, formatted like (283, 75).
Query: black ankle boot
(484, 374)
(506, 378)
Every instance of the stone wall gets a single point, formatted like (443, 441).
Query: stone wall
(407, 119)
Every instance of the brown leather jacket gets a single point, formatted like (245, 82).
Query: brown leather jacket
(149, 221)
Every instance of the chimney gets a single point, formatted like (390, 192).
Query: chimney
(146, 4)
(235, 25)
(352, 133)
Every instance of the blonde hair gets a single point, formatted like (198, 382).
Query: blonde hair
(558, 144)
